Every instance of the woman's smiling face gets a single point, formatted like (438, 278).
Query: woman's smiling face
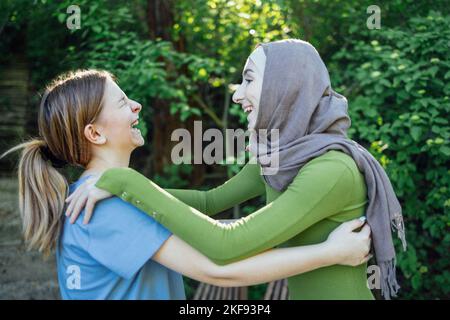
(249, 91)
(118, 118)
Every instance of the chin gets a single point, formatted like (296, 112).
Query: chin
(138, 143)
(136, 140)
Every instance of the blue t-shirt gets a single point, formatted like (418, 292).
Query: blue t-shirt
(110, 257)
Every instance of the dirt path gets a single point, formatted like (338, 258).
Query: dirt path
(23, 274)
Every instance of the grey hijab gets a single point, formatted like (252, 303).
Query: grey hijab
(297, 99)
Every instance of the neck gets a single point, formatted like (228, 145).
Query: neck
(102, 161)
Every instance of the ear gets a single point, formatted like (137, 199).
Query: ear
(93, 134)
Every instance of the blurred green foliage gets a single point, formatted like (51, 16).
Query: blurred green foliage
(398, 89)
(395, 78)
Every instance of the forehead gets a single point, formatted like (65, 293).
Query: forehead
(249, 64)
(256, 61)
(112, 95)
(112, 89)
(258, 55)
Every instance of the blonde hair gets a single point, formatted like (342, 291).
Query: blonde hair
(70, 102)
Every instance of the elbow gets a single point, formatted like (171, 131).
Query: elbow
(224, 250)
(218, 276)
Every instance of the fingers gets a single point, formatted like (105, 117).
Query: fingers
(73, 199)
(355, 224)
(365, 234)
(73, 195)
(78, 199)
(78, 207)
(365, 231)
(70, 207)
(367, 258)
(89, 210)
(360, 261)
(69, 198)
(81, 188)
(367, 255)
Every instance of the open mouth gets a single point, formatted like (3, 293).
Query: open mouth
(248, 109)
(134, 126)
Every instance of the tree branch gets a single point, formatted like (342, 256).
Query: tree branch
(208, 111)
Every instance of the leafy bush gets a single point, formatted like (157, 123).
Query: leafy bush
(398, 90)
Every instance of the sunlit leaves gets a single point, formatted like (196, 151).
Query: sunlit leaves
(396, 76)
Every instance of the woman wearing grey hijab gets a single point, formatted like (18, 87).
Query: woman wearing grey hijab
(313, 119)
(320, 179)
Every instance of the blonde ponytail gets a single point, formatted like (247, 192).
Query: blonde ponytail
(71, 101)
(42, 190)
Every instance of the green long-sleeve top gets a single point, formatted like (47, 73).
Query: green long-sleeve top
(327, 191)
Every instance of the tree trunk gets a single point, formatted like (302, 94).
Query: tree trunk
(160, 19)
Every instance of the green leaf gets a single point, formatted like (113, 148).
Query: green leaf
(445, 150)
(61, 17)
(416, 133)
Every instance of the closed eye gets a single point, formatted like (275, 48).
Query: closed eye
(123, 102)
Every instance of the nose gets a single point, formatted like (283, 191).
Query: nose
(136, 107)
(238, 95)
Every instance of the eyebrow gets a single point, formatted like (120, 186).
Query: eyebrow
(247, 70)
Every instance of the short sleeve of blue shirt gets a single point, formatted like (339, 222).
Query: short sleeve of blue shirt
(122, 237)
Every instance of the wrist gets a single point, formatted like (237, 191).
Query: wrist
(330, 253)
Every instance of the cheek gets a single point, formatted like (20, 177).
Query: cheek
(117, 127)
(253, 93)
(249, 91)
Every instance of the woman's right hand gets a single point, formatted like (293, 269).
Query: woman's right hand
(85, 196)
(348, 247)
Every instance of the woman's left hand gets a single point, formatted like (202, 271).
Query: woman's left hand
(85, 196)
(348, 247)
